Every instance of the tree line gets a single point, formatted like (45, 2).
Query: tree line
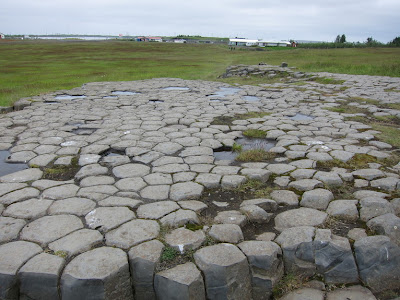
(340, 42)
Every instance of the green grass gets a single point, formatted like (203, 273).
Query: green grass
(254, 133)
(256, 155)
(30, 68)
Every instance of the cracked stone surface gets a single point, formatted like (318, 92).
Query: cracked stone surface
(145, 168)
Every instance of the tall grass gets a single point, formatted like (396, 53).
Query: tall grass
(29, 68)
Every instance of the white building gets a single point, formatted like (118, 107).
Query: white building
(260, 43)
(180, 41)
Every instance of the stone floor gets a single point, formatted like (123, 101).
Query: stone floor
(145, 155)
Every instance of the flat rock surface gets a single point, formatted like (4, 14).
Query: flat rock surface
(145, 161)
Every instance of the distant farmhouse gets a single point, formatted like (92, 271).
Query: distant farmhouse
(260, 43)
(2, 36)
(179, 41)
(149, 39)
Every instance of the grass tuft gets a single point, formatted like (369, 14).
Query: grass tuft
(254, 133)
(255, 155)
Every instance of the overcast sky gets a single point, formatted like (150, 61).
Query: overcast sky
(318, 20)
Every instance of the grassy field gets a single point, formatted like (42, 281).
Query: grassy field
(29, 68)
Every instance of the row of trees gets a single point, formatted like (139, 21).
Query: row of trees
(340, 42)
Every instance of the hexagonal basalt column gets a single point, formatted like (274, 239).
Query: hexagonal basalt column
(12, 256)
(226, 272)
(102, 273)
(182, 282)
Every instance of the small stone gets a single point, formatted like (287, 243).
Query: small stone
(387, 224)
(179, 218)
(356, 233)
(266, 236)
(186, 191)
(368, 174)
(77, 242)
(181, 282)
(50, 228)
(10, 228)
(388, 184)
(107, 218)
(256, 214)
(299, 217)
(285, 198)
(30, 174)
(232, 181)
(372, 207)
(61, 192)
(132, 233)
(210, 181)
(257, 174)
(305, 184)
(230, 233)
(196, 206)
(156, 210)
(183, 239)
(343, 209)
(266, 204)
(131, 170)
(19, 195)
(73, 206)
(317, 199)
(91, 170)
(95, 274)
(329, 178)
(29, 209)
(130, 184)
(155, 192)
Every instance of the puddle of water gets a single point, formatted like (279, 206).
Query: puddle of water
(8, 168)
(84, 131)
(225, 153)
(251, 98)
(301, 117)
(225, 91)
(248, 143)
(175, 88)
(124, 93)
(69, 97)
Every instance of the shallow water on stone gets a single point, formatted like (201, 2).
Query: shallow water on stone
(225, 91)
(124, 93)
(301, 117)
(8, 168)
(225, 155)
(251, 98)
(69, 97)
(176, 88)
(250, 143)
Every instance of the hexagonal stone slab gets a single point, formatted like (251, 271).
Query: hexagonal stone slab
(132, 233)
(343, 209)
(180, 218)
(39, 277)
(155, 192)
(230, 217)
(19, 195)
(185, 191)
(183, 239)
(50, 228)
(131, 170)
(29, 209)
(142, 260)
(107, 218)
(229, 233)
(61, 192)
(181, 282)
(299, 217)
(305, 184)
(317, 199)
(156, 210)
(10, 228)
(30, 174)
(285, 197)
(226, 272)
(95, 274)
(130, 184)
(77, 242)
(73, 206)
(12, 256)
(120, 201)
(280, 168)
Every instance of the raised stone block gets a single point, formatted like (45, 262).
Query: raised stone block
(183, 239)
(142, 260)
(226, 272)
(39, 277)
(102, 273)
(12, 256)
(265, 264)
(181, 282)
(378, 261)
